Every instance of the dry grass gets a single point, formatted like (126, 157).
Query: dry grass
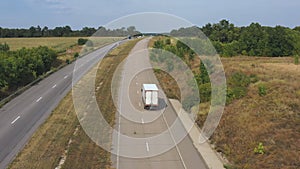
(168, 84)
(273, 119)
(49, 142)
(56, 43)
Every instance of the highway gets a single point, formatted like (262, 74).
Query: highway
(20, 117)
(151, 141)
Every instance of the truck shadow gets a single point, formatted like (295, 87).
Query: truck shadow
(161, 105)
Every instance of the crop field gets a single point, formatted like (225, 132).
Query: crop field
(56, 43)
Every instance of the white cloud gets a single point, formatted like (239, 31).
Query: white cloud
(55, 6)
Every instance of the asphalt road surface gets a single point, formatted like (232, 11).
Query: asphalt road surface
(148, 139)
(21, 116)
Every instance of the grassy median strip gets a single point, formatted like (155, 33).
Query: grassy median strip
(62, 133)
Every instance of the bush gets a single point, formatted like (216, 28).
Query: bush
(253, 78)
(189, 102)
(205, 92)
(68, 61)
(89, 43)
(76, 55)
(239, 79)
(170, 65)
(81, 41)
(262, 90)
(296, 59)
(168, 41)
(259, 149)
(228, 166)
(4, 47)
(158, 44)
(237, 86)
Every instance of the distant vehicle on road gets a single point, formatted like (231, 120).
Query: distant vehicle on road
(149, 95)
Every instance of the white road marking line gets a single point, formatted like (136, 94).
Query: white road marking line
(119, 126)
(178, 151)
(140, 104)
(143, 121)
(147, 146)
(54, 86)
(65, 76)
(39, 99)
(15, 120)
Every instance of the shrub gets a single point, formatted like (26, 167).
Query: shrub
(253, 78)
(81, 41)
(168, 41)
(296, 59)
(4, 47)
(205, 92)
(68, 61)
(237, 86)
(239, 79)
(170, 65)
(229, 166)
(189, 102)
(259, 149)
(262, 90)
(89, 43)
(76, 55)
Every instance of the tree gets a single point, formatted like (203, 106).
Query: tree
(204, 77)
(88, 31)
(230, 49)
(4, 47)
(297, 28)
(45, 32)
(279, 42)
(253, 40)
(81, 41)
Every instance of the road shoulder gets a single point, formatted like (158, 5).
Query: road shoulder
(208, 154)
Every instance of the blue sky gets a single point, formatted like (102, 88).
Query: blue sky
(94, 13)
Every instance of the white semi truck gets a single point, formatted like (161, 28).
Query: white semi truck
(150, 95)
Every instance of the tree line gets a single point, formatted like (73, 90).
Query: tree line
(18, 68)
(65, 31)
(252, 40)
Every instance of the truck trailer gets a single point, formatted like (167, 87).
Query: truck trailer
(149, 95)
